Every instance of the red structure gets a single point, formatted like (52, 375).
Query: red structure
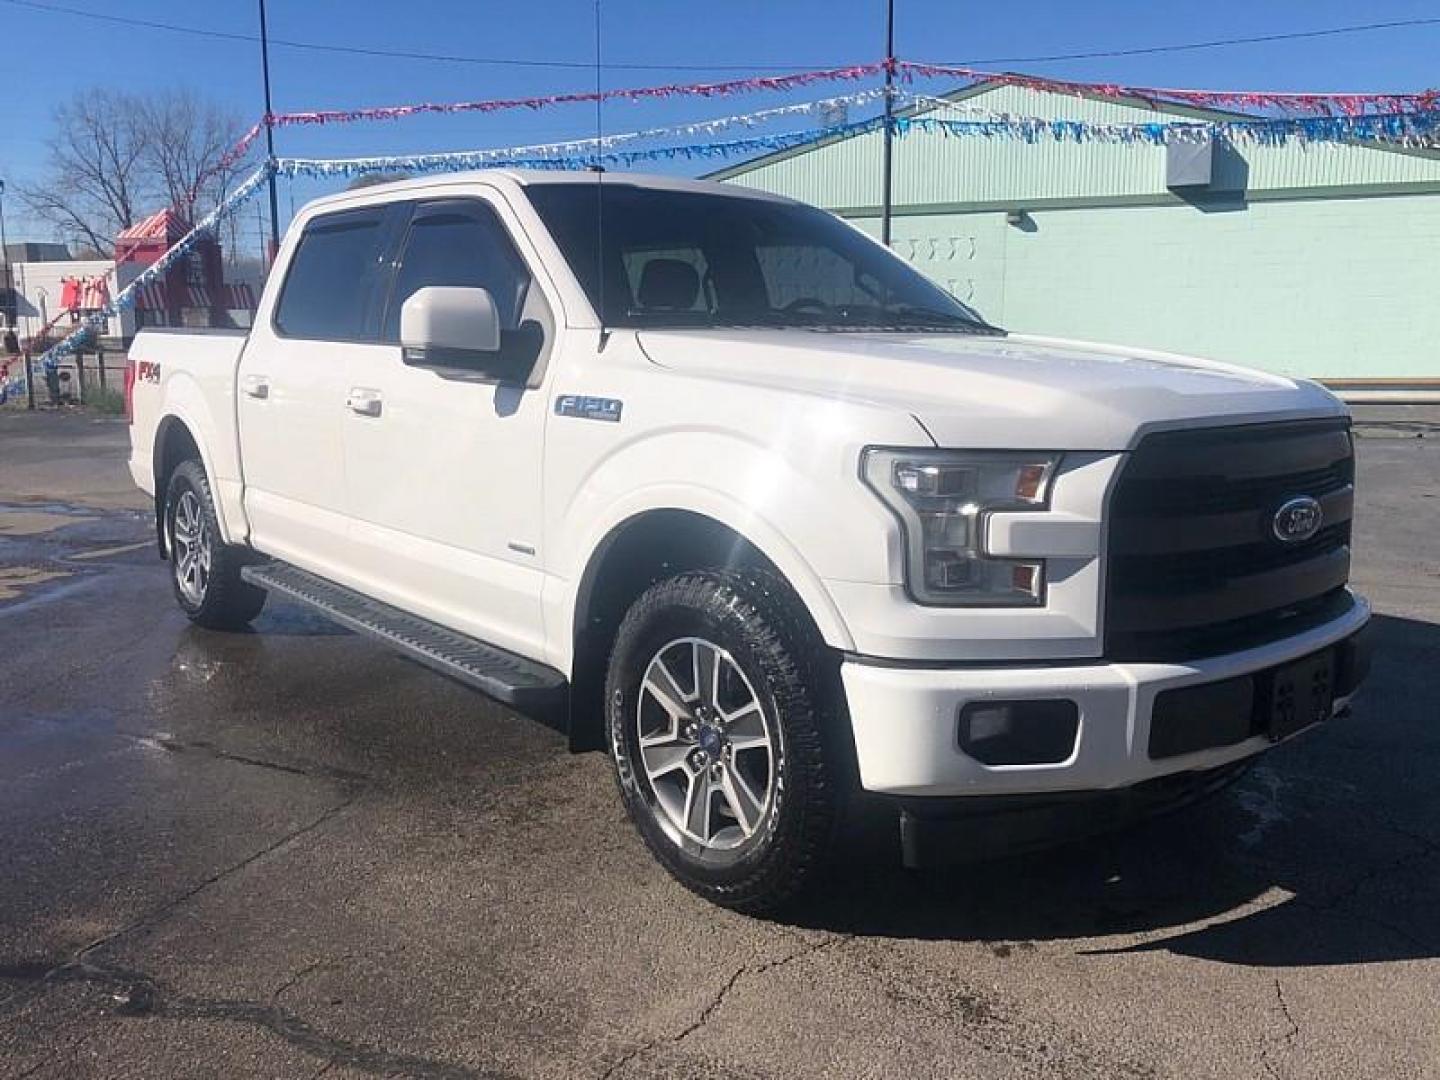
(193, 291)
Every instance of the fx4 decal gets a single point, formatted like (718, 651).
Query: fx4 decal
(147, 371)
(589, 408)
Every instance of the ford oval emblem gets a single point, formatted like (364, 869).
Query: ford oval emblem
(1297, 520)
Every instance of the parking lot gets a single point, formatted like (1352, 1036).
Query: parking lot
(293, 853)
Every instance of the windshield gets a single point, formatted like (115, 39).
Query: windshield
(688, 259)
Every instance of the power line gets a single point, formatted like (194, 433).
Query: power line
(588, 65)
(398, 54)
(1218, 43)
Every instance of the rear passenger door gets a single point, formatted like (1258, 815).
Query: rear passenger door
(292, 384)
(443, 471)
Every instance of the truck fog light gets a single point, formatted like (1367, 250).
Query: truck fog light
(1019, 732)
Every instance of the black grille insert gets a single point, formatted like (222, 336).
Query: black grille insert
(1194, 566)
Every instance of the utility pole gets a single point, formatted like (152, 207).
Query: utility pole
(269, 137)
(10, 308)
(889, 122)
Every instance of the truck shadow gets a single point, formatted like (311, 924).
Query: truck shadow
(1328, 852)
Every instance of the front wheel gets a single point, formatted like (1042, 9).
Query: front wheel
(206, 571)
(717, 694)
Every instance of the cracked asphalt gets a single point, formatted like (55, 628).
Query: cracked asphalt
(291, 853)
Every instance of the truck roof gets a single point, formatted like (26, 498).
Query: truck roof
(525, 177)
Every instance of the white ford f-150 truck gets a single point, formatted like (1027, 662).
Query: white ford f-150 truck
(741, 497)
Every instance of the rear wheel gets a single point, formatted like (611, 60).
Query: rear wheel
(716, 699)
(205, 571)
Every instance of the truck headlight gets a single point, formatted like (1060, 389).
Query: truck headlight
(941, 497)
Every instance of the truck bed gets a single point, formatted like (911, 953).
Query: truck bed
(191, 374)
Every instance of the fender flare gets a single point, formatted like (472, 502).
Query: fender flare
(179, 415)
(727, 511)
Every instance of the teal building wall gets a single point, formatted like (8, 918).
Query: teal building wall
(1321, 260)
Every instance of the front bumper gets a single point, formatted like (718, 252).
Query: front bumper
(906, 718)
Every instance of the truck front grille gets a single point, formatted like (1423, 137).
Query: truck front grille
(1195, 568)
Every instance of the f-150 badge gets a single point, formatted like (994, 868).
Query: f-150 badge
(589, 408)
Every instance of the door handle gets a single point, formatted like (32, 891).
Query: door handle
(256, 386)
(363, 402)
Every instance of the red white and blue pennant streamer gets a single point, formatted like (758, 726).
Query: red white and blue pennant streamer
(1402, 128)
(1309, 103)
(728, 88)
(840, 104)
(1312, 102)
(753, 84)
(1407, 129)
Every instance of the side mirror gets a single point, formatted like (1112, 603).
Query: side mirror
(450, 326)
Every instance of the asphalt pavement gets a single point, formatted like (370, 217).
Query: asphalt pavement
(291, 853)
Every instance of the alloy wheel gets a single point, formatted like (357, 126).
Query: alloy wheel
(192, 548)
(707, 746)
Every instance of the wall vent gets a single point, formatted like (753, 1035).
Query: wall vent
(1190, 164)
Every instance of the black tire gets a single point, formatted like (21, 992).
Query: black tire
(221, 601)
(761, 627)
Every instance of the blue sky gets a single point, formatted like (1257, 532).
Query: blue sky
(72, 52)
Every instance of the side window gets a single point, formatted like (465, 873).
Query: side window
(332, 278)
(454, 245)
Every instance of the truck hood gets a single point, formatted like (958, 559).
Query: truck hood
(980, 392)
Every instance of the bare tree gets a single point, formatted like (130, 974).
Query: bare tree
(187, 142)
(116, 157)
(98, 169)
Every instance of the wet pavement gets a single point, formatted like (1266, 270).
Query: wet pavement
(290, 853)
